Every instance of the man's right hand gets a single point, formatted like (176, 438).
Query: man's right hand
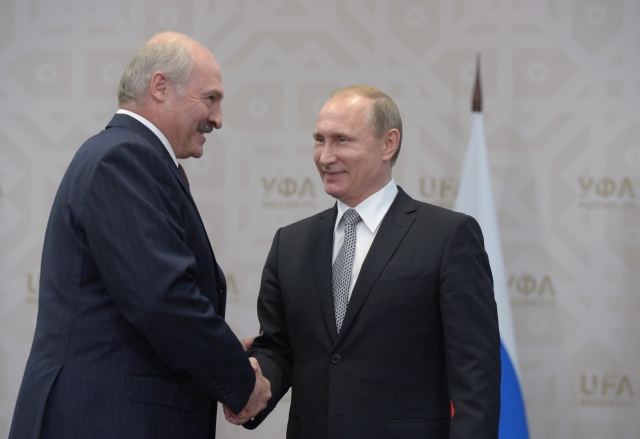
(257, 401)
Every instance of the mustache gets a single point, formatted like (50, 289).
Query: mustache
(205, 127)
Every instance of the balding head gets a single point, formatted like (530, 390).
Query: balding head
(384, 114)
(168, 52)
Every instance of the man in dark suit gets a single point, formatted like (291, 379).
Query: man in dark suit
(379, 312)
(130, 340)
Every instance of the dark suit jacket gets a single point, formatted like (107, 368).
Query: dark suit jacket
(420, 329)
(130, 340)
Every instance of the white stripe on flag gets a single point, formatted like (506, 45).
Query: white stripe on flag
(475, 198)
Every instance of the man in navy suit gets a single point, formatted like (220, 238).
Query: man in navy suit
(130, 340)
(379, 312)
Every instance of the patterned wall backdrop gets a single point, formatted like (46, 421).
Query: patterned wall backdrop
(562, 115)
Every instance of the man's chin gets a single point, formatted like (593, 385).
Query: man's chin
(332, 190)
(197, 151)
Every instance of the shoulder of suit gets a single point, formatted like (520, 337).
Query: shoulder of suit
(309, 221)
(116, 141)
(438, 213)
(110, 150)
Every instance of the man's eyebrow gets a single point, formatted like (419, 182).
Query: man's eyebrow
(332, 135)
(217, 93)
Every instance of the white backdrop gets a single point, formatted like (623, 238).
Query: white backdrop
(562, 115)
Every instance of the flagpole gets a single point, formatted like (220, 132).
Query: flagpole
(475, 198)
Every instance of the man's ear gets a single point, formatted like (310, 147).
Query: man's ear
(159, 86)
(391, 141)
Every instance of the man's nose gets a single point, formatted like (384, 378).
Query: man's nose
(327, 156)
(215, 117)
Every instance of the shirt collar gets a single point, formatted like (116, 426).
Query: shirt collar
(154, 130)
(373, 209)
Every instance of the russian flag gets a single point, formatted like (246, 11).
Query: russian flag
(475, 198)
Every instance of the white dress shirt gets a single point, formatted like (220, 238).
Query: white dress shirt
(154, 130)
(372, 211)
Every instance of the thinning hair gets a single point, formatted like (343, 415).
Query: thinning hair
(168, 52)
(384, 114)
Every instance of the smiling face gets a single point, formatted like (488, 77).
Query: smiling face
(188, 116)
(352, 162)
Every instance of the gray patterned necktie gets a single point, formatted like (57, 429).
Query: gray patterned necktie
(343, 265)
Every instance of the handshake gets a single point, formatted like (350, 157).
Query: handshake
(259, 397)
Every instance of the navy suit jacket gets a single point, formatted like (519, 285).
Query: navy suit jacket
(130, 340)
(420, 329)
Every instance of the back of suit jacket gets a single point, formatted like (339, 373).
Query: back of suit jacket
(130, 341)
(420, 330)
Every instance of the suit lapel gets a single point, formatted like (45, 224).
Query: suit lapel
(393, 229)
(321, 255)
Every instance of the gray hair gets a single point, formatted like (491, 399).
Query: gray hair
(384, 114)
(168, 52)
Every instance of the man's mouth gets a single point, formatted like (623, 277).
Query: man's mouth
(332, 174)
(205, 128)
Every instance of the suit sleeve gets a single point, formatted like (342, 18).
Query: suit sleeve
(471, 335)
(272, 349)
(135, 228)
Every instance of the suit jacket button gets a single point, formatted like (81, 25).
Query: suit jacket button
(335, 358)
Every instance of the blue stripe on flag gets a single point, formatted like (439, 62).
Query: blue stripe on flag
(513, 422)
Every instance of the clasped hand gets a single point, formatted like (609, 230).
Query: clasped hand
(257, 401)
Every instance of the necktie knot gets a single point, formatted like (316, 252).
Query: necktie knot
(351, 217)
